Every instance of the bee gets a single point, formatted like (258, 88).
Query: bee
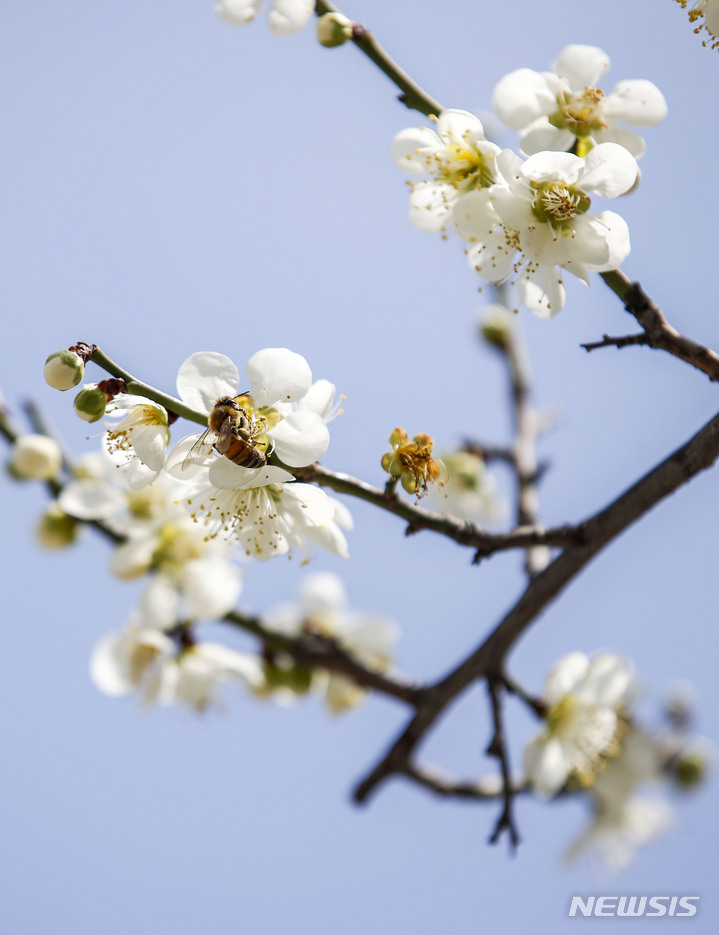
(232, 433)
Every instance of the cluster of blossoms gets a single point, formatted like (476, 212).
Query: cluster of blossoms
(528, 219)
(592, 743)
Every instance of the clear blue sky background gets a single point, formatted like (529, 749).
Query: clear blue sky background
(171, 184)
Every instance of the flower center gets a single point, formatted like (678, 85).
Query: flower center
(557, 203)
(581, 114)
(465, 167)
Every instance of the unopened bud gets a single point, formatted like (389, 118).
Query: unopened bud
(496, 327)
(90, 403)
(333, 29)
(35, 457)
(56, 529)
(63, 370)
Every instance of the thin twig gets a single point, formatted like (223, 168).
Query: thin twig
(498, 749)
(659, 333)
(608, 341)
(485, 789)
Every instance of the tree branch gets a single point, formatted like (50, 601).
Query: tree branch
(657, 330)
(696, 455)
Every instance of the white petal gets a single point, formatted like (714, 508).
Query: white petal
(90, 499)
(237, 12)
(541, 291)
(565, 676)
(455, 126)
(320, 399)
(204, 377)
(546, 765)
(638, 102)
(301, 438)
(277, 374)
(287, 16)
(608, 681)
(541, 135)
(411, 147)
(310, 504)
(211, 586)
(133, 558)
(581, 66)
(625, 137)
(521, 97)
(149, 442)
(549, 166)
(225, 475)
(323, 594)
(514, 210)
(107, 665)
(617, 239)
(610, 170)
(430, 204)
(474, 216)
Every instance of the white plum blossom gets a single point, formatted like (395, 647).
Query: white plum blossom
(285, 17)
(564, 108)
(142, 433)
(323, 608)
(454, 158)
(167, 669)
(586, 705)
(535, 222)
(281, 395)
(624, 818)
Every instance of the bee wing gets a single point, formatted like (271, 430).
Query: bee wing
(225, 436)
(201, 448)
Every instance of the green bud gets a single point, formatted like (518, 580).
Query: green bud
(90, 403)
(56, 529)
(690, 771)
(63, 370)
(496, 328)
(333, 29)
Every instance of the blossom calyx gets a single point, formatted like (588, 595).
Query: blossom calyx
(334, 29)
(35, 457)
(411, 461)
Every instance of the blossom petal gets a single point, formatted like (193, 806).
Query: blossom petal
(617, 239)
(522, 96)
(546, 765)
(430, 204)
(225, 475)
(541, 290)
(287, 16)
(638, 102)
(277, 374)
(237, 12)
(565, 676)
(211, 586)
(204, 377)
(541, 135)
(301, 438)
(454, 126)
(550, 166)
(411, 148)
(610, 170)
(581, 66)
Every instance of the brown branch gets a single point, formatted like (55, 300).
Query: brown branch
(498, 749)
(314, 651)
(461, 531)
(657, 330)
(696, 455)
(608, 341)
(486, 789)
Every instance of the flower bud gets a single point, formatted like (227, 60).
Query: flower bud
(63, 370)
(35, 457)
(90, 403)
(496, 327)
(56, 529)
(333, 29)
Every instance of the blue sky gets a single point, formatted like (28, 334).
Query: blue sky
(172, 184)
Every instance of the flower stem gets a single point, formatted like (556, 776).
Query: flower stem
(412, 96)
(143, 389)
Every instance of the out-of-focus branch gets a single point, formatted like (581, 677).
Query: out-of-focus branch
(658, 333)
(486, 789)
(498, 749)
(696, 455)
(315, 651)
(412, 96)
